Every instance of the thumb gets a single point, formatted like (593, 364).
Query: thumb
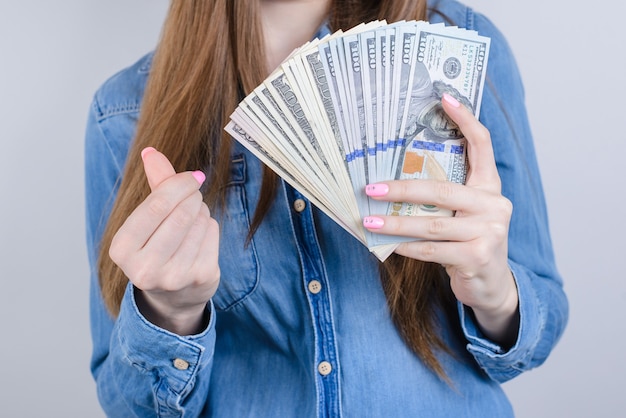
(157, 167)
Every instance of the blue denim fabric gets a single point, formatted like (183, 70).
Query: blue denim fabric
(268, 333)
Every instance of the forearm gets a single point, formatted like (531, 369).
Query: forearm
(542, 318)
(501, 323)
(148, 369)
(137, 366)
(189, 322)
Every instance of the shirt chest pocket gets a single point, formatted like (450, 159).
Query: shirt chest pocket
(238, 258)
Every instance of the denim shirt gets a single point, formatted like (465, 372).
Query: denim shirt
(299, 325)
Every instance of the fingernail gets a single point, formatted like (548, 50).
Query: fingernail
(146, 151)
(373, 222)
(199, 176)
(451, 100)
(377, 189)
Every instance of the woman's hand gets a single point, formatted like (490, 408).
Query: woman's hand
(168, 248)
(472, 245)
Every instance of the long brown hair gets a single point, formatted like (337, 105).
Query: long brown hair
(209, 55)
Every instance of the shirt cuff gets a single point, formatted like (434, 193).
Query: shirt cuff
(497, 362)
(177, 358)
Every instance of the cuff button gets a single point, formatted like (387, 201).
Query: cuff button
(181, 364)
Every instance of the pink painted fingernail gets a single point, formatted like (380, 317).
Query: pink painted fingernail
(146, 151)
(199, 176)
(373, 222)
(377, 189)
(451, 100)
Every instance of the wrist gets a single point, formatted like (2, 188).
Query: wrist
(189, 320)
(500, 322)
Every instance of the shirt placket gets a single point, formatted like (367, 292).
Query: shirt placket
(317, 290)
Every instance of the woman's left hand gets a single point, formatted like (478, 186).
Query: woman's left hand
(472, 245)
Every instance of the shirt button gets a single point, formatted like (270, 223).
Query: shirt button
(299, 205)
(324, 368)
(315, 287)
(181, 364)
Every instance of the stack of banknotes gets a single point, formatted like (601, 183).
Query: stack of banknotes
(363, 106)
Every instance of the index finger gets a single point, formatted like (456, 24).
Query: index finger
(149, 216)
(482, 171)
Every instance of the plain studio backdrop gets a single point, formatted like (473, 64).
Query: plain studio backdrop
(53, 56)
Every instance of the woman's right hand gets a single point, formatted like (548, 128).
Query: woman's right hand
(168, 248)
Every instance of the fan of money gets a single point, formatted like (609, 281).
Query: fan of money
(363, 106)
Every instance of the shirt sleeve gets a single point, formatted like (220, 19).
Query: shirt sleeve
(543, 305)
(138, 367)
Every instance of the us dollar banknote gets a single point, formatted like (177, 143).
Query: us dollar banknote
(364, 106)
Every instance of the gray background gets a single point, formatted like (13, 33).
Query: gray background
(53, 55)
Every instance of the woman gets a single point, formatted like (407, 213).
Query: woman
(263, 306)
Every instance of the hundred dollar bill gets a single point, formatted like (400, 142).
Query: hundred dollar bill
(446, 61)
(373, 96)
(314, 71)
(263, 113)
(362, 160)
(381, 85)
(303, 85)
(320, 81)
(281, 89)
(238, 133)
(334, 60)
(256, 139)
(367, 67)
(364, 106)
